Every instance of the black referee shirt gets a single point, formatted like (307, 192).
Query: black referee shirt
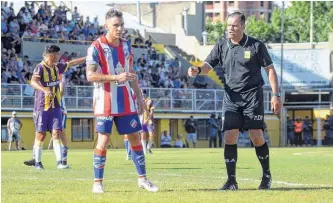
(241, 63)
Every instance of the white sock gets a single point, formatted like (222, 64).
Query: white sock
(33, 152)
(57, 149)
(143, 142)
(38, 153)
(149, 145)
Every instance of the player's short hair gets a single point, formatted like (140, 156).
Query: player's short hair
(240, 15)
(51, 49)
(113, 12)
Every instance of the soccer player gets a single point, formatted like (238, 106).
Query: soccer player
(63, 138)
(242, 57)
(47, 111)
(148, 123)
(110, 67)
(14, 125)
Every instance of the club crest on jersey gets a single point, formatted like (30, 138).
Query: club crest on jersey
(247, 54)
(133, 123)
(106, 50)
(119, 68)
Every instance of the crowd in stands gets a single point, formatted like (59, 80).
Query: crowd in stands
(42, 24)
(46, 23)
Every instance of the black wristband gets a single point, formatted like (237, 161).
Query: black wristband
(199, 70)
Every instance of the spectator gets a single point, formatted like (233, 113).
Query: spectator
(14, 126)
(168, 83)
(4, 27)
(64, 57)
(165, 140)
(219, 130)
(190, 128)
(298, 129)
(290, 131)
(328, 127)
(96, 23)
(14, 25)
(212, 130)
(76, 15)
(142, 61)
(179, 142)
(307, 132)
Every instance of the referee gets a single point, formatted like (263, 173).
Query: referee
(242, 57)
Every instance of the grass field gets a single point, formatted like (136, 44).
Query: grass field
(182, 175)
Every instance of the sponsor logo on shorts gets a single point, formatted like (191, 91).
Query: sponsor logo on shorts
(99, 123)
(133, 123)
(105, 118)
(258, 117)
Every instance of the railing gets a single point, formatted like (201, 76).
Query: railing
(80, 98)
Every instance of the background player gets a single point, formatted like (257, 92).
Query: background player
(148, 123)
(47, 111)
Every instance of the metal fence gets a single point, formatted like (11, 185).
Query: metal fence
(80, 98)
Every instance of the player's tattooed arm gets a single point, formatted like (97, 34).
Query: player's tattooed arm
(94, 76)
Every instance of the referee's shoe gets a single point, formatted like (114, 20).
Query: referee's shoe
(266, 182)
(231, 184)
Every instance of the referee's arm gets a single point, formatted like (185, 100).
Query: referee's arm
(212, 60)
(267, 63)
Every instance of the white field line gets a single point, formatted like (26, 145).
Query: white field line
(307, 153)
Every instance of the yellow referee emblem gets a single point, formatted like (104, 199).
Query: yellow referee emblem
(247, 54)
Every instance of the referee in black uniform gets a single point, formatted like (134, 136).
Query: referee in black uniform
(242, 57)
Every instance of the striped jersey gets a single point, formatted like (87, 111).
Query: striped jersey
(149, 110)
(49, 78)
(112, 98)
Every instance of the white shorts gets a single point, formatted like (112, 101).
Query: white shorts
(14, 137)
(191, 136)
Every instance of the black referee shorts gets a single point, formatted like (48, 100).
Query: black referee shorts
(244, 111)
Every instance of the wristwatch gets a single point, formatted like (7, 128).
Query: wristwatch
(276, 94)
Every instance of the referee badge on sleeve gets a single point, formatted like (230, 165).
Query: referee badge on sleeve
(247, 54)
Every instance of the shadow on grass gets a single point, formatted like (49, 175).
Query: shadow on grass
(179, 168)
(246, 189)
(255, 189)
(238, 168)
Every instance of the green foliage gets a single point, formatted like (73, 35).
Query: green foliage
(296, 24)
(215, 30)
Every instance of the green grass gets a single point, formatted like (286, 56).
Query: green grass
(183, 175)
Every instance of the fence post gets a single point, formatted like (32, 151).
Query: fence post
(215, 101)
(77, 96)
(21, 88)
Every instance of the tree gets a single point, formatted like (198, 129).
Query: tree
(297, 21)
(215, 30)
(259, 29)
(296, 24)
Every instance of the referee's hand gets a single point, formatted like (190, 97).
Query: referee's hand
(192, 71)
(276, 104)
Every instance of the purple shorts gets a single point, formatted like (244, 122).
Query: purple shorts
(48, 120)
(148, 128)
